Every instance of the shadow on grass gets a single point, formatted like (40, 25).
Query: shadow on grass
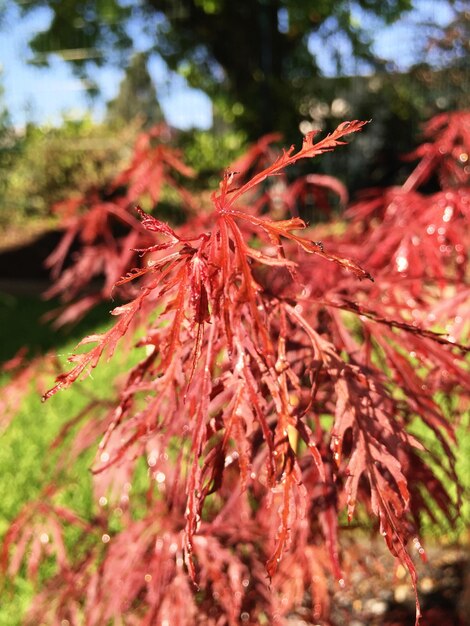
(21, 325)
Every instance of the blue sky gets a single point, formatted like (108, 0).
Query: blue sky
(44, 95)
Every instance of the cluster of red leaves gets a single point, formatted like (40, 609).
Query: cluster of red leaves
(22, 371)
(416, 243)
(277, 388)
(101, 230)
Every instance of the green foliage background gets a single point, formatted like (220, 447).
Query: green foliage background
(47, 164)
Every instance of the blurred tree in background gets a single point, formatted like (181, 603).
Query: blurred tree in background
(137, 97)
(452, 42)
(44, 164)
(255, 60)
(7, 142)
(252, 58)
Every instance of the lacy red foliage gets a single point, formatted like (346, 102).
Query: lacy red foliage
(103, 226)
(22, 371)
(279, 385)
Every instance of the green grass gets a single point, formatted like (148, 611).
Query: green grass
(445, 531)
(26, 462)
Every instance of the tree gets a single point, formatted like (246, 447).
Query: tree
(252, 56)
(6, 127)
(46, 164)
(453, 40)
(275, 391)
(9, 145)
(137, 97)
